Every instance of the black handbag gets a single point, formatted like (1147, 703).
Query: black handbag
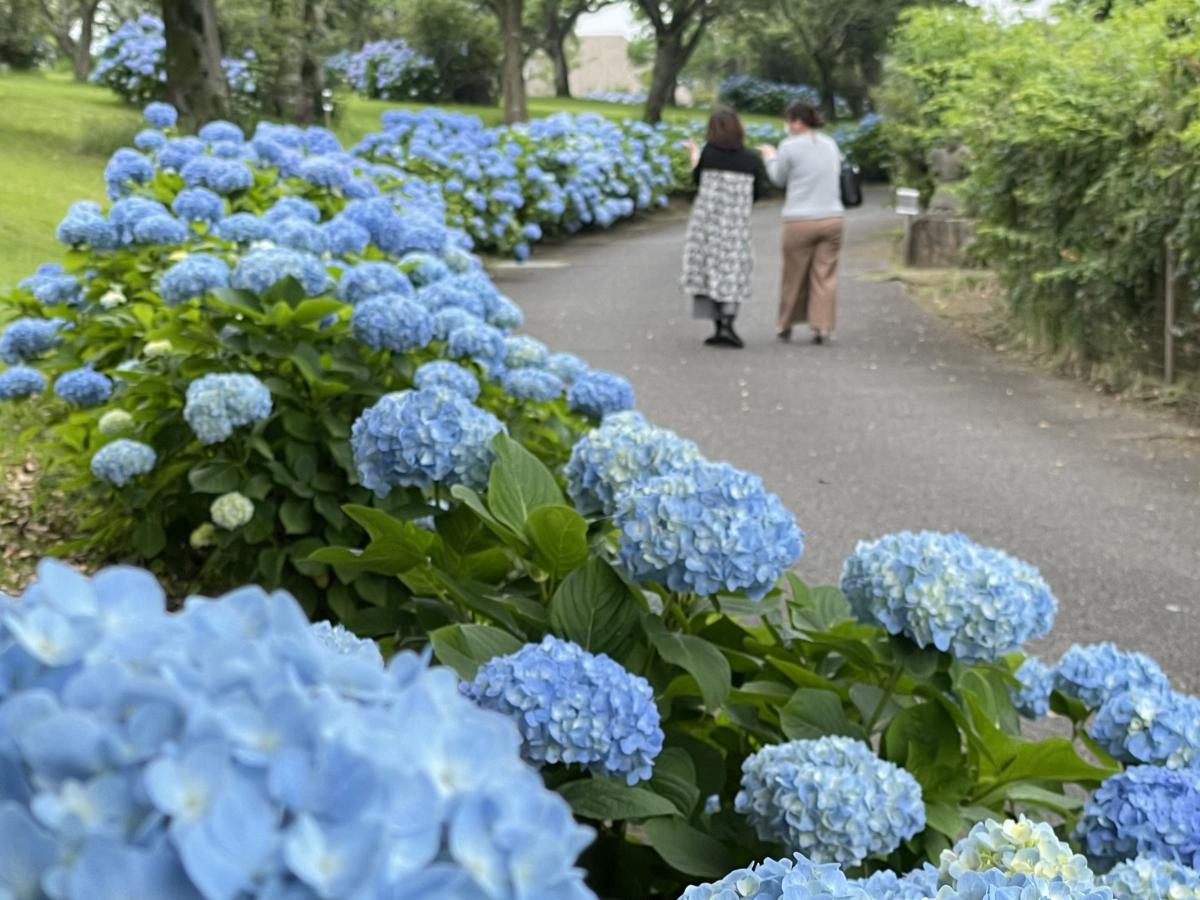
(852, 193)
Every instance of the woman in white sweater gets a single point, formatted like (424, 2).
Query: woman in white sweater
(809, 164)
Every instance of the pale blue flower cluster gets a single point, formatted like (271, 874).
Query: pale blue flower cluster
(943, 590)
(243, 228)
(264, 267)
(338, 639)
(387, 70)
(160, 230)
(1153, 726)
(1151, 878)
(919, 884)
(997, 885)
(449, 376)
(831, 799)
(296, 234)
(1145, 810)
(567, 366)
(193, 276)
(160, 115)
(419, 438)
(217, 404)
(391, 322)
(195, 755)
(1032, 698)
(536, 385)
(52, 286)
(596, 394)
(198, 205)
(370, 278)
(574, 707)
(454, 292)
(127, 167)
(524, 352)
(131, 62)
(26, 338)
(1014, 847)
(122, 460)
(1091, 673)
(799, 878)
(623, 451)
(476, 340)
(18, 382)
(708, 529)
(83, 387)
(84, 224)
(225, 176)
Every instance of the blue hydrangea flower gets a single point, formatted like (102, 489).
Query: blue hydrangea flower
(1091, 673)
(299, 235)
(596, 394)
(451, 292)
(919, 884)
(536, 385)
(478, 341)
(243, 228)
(160, 115)
(1154, 726)
(994, 884)
(1032, 699)
(265, 267)
(198, 205)
(507, 316)
(1150, 878)
(193, 276)
(709, 529)
(83, 387)
(417, 438)
(1144, 810)
(448, 376)
(149, 140)
(141, 762)
(324, 172)
(85, 224)
(623, 451)
(178, 151)
(52, 286)
(942, 590)
(18, 382)
(424, 268)
(765, 880)
(217, 404)
(220, 130)
(346, 643)
(344, 237)
(225, 176)
(293, 208)
(26, 338)
(124, 168)
(447, 321)
(574, 707)
(122, 460)
(370, 278)
(1015, 846)
(831, 799)
(524, 352)
(567, 366)
(391, 322)
(160, 230)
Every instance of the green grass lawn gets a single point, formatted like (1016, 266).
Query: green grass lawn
(56, 135)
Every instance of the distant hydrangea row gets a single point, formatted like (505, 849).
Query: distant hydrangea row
(944, 591)
(623, 451)
(121, 461)
(219, 404)
(831, 799)
(574, 707)
(421, 438)
(1144, 810)
(149, 765)
(706, 530)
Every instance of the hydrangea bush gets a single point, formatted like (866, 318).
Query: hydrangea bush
(386, 70)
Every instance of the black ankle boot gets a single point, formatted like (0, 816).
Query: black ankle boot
(726, 336)
(715, 337)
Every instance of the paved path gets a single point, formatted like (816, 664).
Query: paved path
(902, 423)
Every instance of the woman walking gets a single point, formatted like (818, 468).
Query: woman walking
(809, 165)
(717, 256)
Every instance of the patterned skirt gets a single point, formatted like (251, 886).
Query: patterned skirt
(717, 255)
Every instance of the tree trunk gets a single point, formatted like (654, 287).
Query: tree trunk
(81, 58)
(512, 67)
(299, 80)
(195, 82)
(828, 91)
(557, 47)
(668, 63)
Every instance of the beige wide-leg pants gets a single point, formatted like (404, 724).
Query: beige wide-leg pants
(808, 289)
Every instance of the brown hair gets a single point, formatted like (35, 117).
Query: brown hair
(803, 111)
(725, 130)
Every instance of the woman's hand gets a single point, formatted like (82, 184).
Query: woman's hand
(767, 151)
(693, 151)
